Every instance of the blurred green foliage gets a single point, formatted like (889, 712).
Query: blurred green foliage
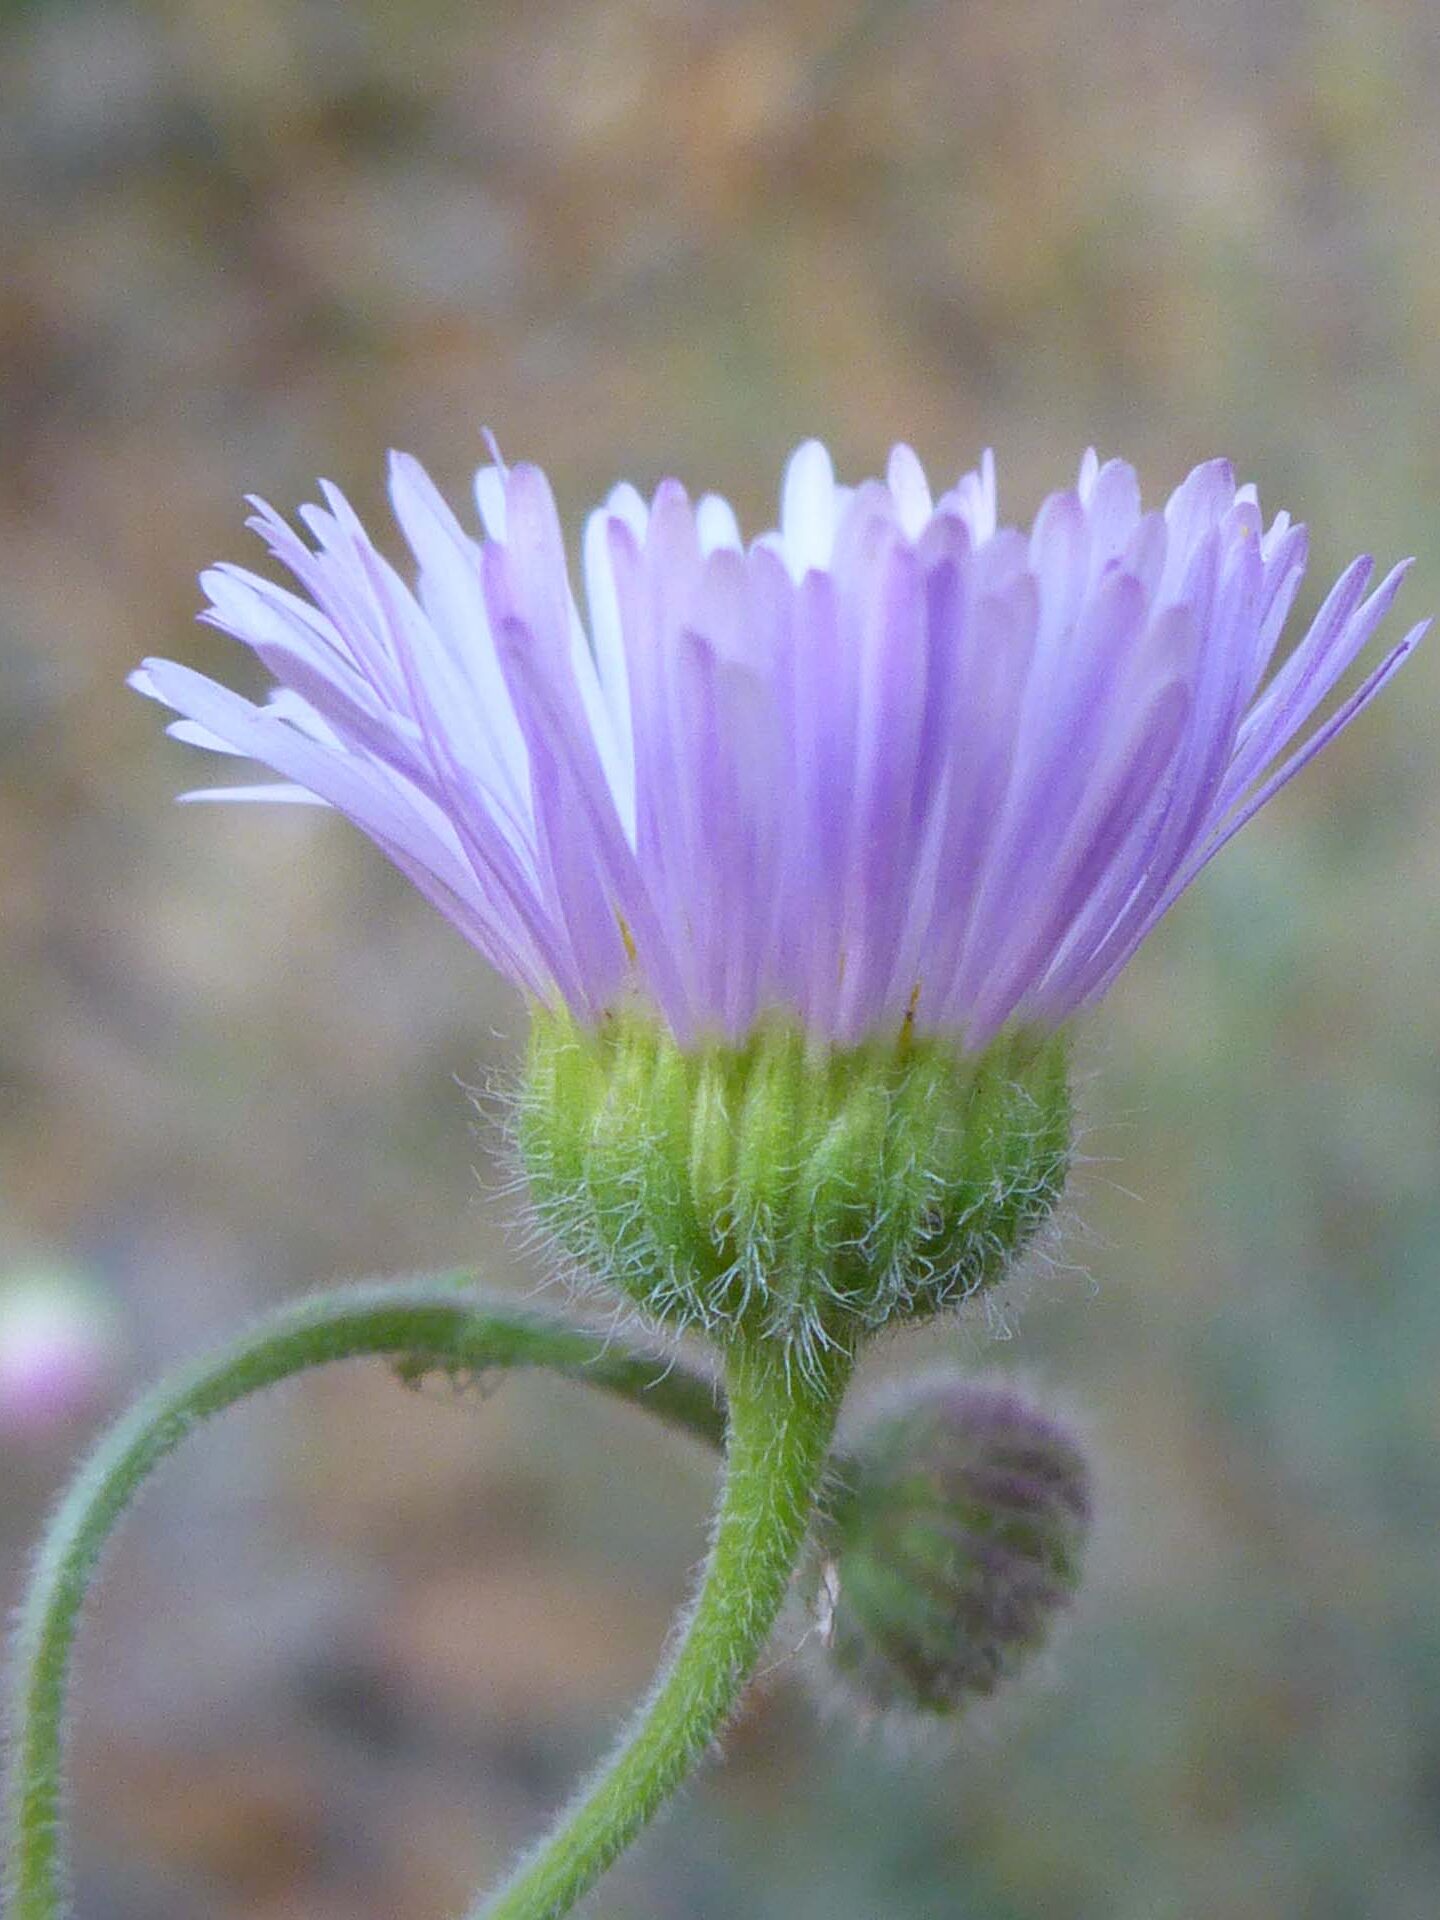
(355, 1647)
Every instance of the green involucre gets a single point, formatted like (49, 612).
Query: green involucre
(797, 1192)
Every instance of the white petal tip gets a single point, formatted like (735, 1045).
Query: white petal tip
(282, 795)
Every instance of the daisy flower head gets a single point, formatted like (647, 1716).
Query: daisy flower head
(890, 783)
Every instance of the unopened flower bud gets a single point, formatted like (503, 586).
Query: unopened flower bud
(56, 1347)
(952, 1545)
(787, 1187)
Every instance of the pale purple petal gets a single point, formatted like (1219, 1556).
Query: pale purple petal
(1092, 988)
(890, 764)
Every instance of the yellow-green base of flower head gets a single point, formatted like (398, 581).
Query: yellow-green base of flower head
(787, 1189)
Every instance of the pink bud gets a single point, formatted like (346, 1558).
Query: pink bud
(57, 1347)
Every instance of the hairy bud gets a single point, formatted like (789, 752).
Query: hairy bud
(954, 1541)
(786, 1187)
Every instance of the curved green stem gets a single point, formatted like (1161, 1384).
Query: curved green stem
(433, 1324)
(779, 1435)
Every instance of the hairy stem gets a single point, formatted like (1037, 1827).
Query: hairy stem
(437, 1324)
(779, 1435)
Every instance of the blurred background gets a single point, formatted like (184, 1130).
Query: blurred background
(359, 1641)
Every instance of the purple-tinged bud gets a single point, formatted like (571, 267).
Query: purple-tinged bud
(57, 1346)
(953, 1542)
